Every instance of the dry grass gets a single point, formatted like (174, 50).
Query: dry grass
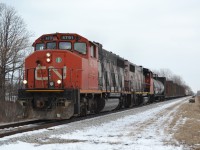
(10, 111)
(187, 132)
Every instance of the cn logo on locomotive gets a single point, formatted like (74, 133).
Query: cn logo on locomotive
(51, 68)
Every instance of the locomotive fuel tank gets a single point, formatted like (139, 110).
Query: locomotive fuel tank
(111, 104)
(108, 103)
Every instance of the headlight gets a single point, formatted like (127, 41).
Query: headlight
(48, 54)
(59, 81)
(51, 83)
(48, 60)
(25, 81)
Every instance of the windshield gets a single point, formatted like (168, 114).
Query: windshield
(80, 47)
(39, 46)
(51, 45)
(65, 45)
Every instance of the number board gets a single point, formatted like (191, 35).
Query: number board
(67, 37)
(48, 38)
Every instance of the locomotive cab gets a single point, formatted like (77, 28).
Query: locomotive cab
(72, 55)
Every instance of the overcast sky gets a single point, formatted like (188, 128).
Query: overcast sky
(153, 33)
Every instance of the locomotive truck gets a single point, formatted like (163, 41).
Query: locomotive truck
(68, 75)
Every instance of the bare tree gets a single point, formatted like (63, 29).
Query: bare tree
(14, 38)
(188, 90)
(178, 80)
(164, 72)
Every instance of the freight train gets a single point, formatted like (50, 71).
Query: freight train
(68, 75)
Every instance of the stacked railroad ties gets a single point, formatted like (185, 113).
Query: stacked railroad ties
(68, 75)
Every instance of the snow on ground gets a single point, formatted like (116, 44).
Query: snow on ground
(143, 130)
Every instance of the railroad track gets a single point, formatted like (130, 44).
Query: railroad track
(15, 128)
(21, 127)
(12, 125)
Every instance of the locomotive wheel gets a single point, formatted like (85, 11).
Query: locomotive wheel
(152, 98)
(83, 110)
(127, 101)
(140, 100)
(130, 101)
(100, 104)
(120, 104)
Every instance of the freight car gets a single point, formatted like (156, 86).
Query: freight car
(68, 75)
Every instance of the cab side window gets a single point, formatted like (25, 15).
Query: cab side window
(80, 47)
(92, 51)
